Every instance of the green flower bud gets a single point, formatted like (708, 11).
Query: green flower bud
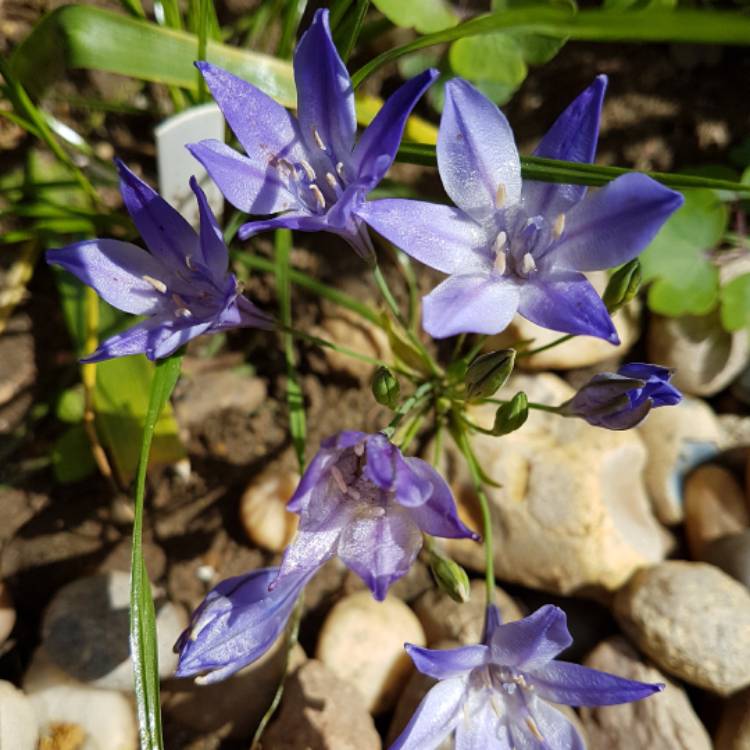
(450, 577)
(385, 388)
(511, 415)
(488, 373)
(623, 286)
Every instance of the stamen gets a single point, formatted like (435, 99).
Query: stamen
(531, 724)
(338, 477)
(497, 706)
(183, 312)
(331, 180)
(178, 300)
(160, 286)
(500, 195)
(527, 263)
(340, 169)
(559, 226)
(501, 262)
(354, 494)
(318, 139)
(378, 511)
(189, 262)
(315, 190)
(309, 171)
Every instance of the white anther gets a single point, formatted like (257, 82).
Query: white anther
(378, 511)
(183, 312)
(189, 262)
(309, 171)
(497, 706)
(331, 180)
(531, 724)
(340, 169)
(354, 494)
(500, 241)
(318, 139)
(160, 286)
(500, 195)
(501, 262)
(559, 226)
(338, 477)
(315, 190)
(527, 263)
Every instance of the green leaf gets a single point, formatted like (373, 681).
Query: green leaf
(735, 303)
(70, 406)
(72, 459)
(425, 16)
(495, 58)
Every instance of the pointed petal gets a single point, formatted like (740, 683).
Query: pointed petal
(252, 185)
(166, 234)
(476, 152)
(443, 664)
(573, 137)
(565, 301)
(300, 222)
(250, 316)
(438, 515)
(545, 728)
(142, 338)
(383, 134)
(264, 128)
(116, 270)
(441, 237)
(482, 727)
(472, 303)
(179, 336)
(613, 225)
(493, 619)
(387, 469)
(574, 685)
(325, 98)
(380, 549)
(435, 717)
(533, 641)
(214, 253)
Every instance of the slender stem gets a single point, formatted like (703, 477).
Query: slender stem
(460, 340)
(420, 394)
(539, 349)
(478, 344)
(531, 405)
(412, 428)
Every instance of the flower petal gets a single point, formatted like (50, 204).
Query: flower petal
(471, 303)
(252, 185)
(574, 685)
(388, 470)
(573, 137)
(300, 222)
(613, 225)
(383, 135)
(481, 727)
(214, 253)
(325, 98)
(443, 664)
(545, 728)
(533, 641)
(435, 717)
(477, 156)
(178, 337)
(166, 234)
(565, 301)
(142, 338)
(116, 270)
(441, 237)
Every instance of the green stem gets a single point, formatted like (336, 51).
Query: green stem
(531, 405)
(419, 395)
(478, 344)
(552, 344)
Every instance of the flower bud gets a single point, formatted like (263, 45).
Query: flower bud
(623, 286)
(511, 415)
(488, 373)
(385, 388)
(450, 577)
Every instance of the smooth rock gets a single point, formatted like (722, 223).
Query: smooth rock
(85, 631)
(444, 619)
(105, 717)
(705, 357)
(714, 507)
(7, 614)
(677, 439)
(733, 732)
(362, 642)
(18, 725)
(263, 514)
(664, 721)
(571, 512)
(321, 712)
(731, 554)
(693, 620)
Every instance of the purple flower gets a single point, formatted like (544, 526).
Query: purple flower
(362, 500)
(182, 285)
(510, 247)
(307, 169)
(236, 624)
(494, 695)
(619, 401)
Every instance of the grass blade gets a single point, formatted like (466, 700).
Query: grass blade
(347, 33)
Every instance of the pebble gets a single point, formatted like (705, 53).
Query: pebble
(731, 554)
(85, 631)
(693, 620)
(104, 718)
(7, 614)
(677, 439)
(445, 619)
(571, 512)
(733, 732)
(18, 725)
(362, 642)
(714, 507)
(664, 721)
(319, 711)
(263, 514)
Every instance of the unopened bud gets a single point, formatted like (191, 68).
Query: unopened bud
(488, 373)
(511, 415)
(623, 286)
(385, 388)
(450, 577)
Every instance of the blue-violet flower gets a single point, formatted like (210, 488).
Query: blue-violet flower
(182, 285)
(520, 247)
(307, 169)
(494, 695)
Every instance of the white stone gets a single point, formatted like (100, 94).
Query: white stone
(18, 725)
(263, 514)
(7, 613)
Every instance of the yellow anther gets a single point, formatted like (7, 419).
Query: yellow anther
(160, 286)
(319, 198)
(500, 195)
(528, 264)
(331, 180)
(309, 171)
(318, 139)
(531, 724)
(559, 226)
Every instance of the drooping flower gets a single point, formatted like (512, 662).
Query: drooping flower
(621, 400)
(236, 624)
(494, 695)
(513, 247)
(362, 500)
(183, 285)
(306, 169)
